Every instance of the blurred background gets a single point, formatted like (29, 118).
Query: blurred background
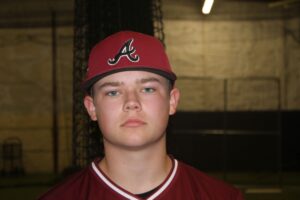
(238, 67)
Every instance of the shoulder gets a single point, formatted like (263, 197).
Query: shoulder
(207, 185)
(69, 188)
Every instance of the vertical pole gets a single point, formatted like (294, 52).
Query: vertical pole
(279, 134)
(225, 129)
(54, 95)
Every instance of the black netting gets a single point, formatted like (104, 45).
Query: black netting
(94, 20)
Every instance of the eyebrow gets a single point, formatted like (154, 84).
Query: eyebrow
(111, 84)
(117, 83)
(150, 79)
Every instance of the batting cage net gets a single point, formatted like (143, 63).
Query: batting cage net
(94, 20)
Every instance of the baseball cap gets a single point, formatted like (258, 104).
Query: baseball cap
(127, 51)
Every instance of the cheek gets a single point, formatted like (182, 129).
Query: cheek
(106, 121)
(159, 108)
(106, 113)
(158, 115)
(109, 109)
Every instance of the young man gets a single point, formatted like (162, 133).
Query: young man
(131, 93)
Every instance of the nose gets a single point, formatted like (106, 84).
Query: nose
(132, 102)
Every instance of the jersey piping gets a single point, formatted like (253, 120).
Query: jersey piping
(111, 185)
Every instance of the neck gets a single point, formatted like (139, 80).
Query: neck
(129, 169)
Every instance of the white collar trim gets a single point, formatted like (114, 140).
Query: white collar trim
(129, 196)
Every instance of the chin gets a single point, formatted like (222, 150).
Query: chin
(142, 145)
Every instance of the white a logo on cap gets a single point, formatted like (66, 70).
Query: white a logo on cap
(126, 51)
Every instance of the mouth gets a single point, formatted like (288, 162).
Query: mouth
(132, 123)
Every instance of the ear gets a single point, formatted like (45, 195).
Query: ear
(90, 107)
(174, 100)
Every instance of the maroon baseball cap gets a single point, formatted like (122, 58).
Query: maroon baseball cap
(127, 51)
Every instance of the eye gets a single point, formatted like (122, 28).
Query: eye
(112, 93)
(148, 90)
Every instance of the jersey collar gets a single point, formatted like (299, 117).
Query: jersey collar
(113, 186)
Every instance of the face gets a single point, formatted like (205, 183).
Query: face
(132, 108)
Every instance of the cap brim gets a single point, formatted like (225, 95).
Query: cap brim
(86, 85)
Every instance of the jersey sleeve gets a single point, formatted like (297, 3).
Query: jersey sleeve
(239, 196)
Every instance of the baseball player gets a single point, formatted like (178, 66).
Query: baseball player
(130, 91)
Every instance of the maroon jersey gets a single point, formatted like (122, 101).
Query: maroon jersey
(183, 182)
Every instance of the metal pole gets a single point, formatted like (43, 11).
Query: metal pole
(54, 95)
(279, 134)
(225, 129)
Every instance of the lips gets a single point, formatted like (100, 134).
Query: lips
(132, 123)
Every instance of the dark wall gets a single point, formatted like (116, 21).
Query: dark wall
(260, 140)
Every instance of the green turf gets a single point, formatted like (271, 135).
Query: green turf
(27, 187)
(22, 193)
(32, 179)
(288, 193)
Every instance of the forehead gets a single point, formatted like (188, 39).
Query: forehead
(132, 77)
